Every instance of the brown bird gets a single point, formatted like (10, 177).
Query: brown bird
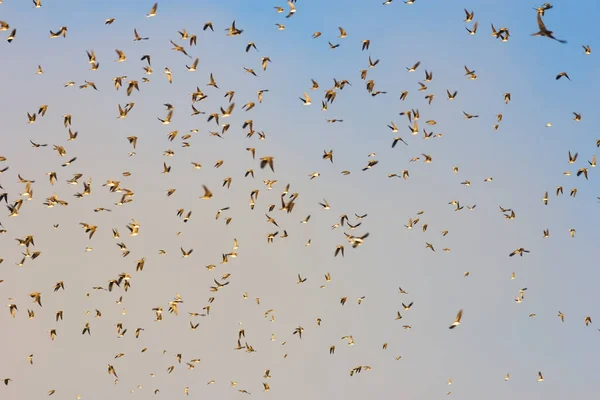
(264, 161)
(543, 31)
(456, 320)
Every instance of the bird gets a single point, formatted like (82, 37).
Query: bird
(456, 321)
(61, 32)
(267, 161)
(179, 48)
(540, 377)
(469, 15)
(306, 99)
(207, 193)
(121, 56)
(520, 251)
(12, 35)
(473, 30)
(152, 12)
(414, 67)
(543, 31)
(138, 38)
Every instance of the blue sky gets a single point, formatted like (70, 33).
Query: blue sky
(524, 157)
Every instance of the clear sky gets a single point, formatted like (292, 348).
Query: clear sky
(525, 158)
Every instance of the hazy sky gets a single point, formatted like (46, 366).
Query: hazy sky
(525, 158)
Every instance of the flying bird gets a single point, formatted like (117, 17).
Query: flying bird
(543, 31)
(456, 321)
(152, 12)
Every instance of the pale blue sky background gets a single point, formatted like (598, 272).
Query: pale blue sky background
(524, 157)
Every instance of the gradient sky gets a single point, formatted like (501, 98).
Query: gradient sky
(524, 157)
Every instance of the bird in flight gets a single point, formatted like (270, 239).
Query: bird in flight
(543, 31)
(152, 12)
(456, 321)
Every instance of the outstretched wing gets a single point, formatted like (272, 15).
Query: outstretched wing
(541, 25)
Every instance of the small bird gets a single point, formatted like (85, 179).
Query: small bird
(207, 193)
(152, 12)
(12, 35)
(469, 16)
(543, 31)
(121, 55)
(456, 320)
(414, 67)
(264, 161)
(540, 377)
(473, 30)
(306, 99)
(137, 38)
(519, 251)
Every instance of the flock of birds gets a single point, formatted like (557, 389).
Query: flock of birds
(19, 203)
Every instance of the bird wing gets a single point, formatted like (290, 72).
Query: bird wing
(540, 23)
